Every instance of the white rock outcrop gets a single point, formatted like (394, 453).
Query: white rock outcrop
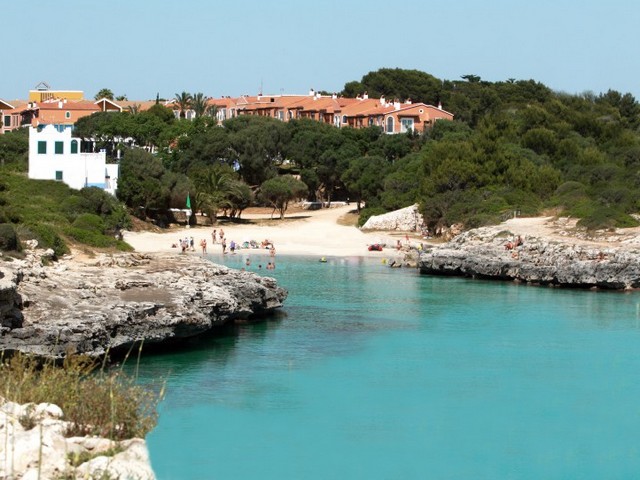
(43, 452)
(405, 220)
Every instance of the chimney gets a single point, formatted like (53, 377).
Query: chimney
(439, 105)
(383, 102)
(407, 101)
(365, 96)
(312, 92)
(334, 96)
(396, 104)
(60, 104)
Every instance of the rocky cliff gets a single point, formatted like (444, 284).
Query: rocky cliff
(115, 300)
(487, 253)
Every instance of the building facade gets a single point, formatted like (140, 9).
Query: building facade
(54, 154)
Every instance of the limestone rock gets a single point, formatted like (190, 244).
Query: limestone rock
(43, 452)
(406, 220)
(117, 300)
(483, 253)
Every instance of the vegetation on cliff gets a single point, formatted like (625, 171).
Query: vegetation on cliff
(54, 215)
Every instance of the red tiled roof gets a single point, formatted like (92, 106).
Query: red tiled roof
(68, 105)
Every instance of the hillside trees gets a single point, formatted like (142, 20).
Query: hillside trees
(397, 83)
(257, 145)
(141, 184)
(515, 145)
(14, 149)
(279, 191)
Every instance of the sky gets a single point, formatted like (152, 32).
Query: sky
(140, 48)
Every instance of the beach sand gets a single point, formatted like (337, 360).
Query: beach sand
(319, 233)
(307, 232)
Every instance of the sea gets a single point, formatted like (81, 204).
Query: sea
(371, 372)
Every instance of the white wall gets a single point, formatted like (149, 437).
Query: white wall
(78, 169)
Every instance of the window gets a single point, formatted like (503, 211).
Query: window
(344, 119)
(74, 146)
(7, 120)
(59, 148)
(390, 125)
(42, 147)
(59, 175)
(67, 114)
(406, 124)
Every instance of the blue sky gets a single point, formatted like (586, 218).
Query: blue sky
(232, 47)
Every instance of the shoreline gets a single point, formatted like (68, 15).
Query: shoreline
(313, 233)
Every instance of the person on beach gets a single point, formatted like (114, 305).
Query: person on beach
(224, 245)
(272, 251)
(213, 236)
(247, 262)
(232, 247)
(203, 244)
(221, 234)
(192, 244)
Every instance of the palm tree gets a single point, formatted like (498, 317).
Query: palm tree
(134, 109)
(213, 187)
(212, 111)
(104, 93)
(199, 104)
(184, 102)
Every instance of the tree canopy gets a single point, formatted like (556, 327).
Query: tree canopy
(515, 145)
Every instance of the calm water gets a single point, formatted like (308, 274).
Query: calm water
(377, 373)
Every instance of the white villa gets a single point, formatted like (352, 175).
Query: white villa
(55, 155)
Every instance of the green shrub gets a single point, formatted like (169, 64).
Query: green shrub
(8, 238)
(89, 221)
(601, 218)
(47, 237)
(73, 206)
(91, 238)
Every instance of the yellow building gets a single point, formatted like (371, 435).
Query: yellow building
(43, 93)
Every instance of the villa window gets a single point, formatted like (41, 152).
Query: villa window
(67, 114)
(59, 175)
(74, 146)
(42, 147)
(59, 148)
(7, 120)
(390, 125)
(406, 124)
(344, 119)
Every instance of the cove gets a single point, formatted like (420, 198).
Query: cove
(379, 373)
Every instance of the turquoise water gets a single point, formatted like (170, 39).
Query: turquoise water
(379, 373)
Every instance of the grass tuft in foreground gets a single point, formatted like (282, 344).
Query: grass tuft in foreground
(96, 401)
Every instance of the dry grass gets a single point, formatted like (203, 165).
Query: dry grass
(96, 401)
(349, 219)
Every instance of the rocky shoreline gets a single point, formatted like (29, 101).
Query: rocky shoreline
(107, 305)
(490, 254)
(110, 302)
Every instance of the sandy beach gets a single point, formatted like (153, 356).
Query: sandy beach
(319, 233)
(307, 232)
